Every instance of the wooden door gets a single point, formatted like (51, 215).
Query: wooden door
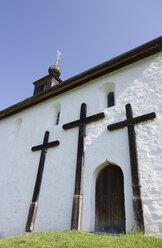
(110, 210)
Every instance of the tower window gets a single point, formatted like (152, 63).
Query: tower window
(42, 87)
(110, 100)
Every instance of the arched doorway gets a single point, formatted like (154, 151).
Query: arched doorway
(110, 210)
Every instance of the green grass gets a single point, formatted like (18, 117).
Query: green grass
(74, 239)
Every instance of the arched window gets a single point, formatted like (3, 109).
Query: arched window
(16, 128)
(109, 94)
(110, 99)
(57, 111)
(58, 118)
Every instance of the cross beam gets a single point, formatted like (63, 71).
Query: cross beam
(78, 191)
(34, 204)
(130, 122)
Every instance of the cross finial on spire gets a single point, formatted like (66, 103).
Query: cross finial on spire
(55, 70)
(58, 57)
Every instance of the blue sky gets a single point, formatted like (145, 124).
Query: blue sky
(87, 32)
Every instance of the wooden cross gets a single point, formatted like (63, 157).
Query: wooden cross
(34, 204)
(129, 123)
(78, 192)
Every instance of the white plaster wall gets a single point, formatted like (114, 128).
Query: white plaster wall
(138, 84)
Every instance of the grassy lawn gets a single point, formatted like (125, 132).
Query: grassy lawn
(74, 239)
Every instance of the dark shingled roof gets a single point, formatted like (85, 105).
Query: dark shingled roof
(116, 63)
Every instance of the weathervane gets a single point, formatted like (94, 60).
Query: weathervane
(58, 57)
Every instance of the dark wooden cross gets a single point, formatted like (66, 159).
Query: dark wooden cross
(78, 192)
(129, 123)
(34, 204)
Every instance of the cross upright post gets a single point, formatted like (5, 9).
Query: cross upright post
(34, 204)
(136, 187)
(78, 191)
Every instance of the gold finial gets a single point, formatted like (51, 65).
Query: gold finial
(58, 57)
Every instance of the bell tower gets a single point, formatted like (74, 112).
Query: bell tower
(50, 80)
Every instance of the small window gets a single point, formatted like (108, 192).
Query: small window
(110, 100)
(42, 87)
(57, 112)
(16, 128)
(58, 118)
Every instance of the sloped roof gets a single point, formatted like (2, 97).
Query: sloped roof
(116, 63)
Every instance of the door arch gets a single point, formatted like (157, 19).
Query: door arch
(109, 209)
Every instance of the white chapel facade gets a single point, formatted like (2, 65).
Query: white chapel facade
(86, 153)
